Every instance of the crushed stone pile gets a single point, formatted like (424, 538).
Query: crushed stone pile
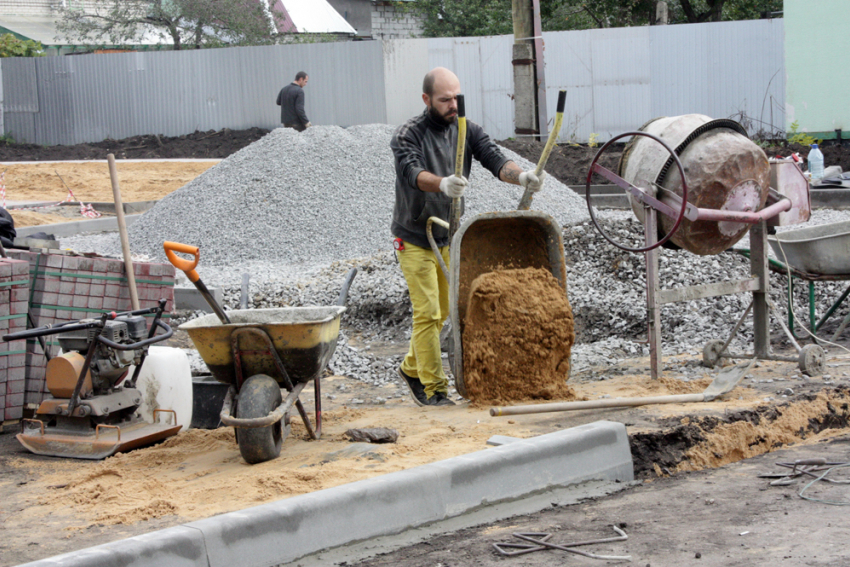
(296, 211)
(313, 197)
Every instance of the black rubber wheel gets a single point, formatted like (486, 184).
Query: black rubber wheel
(260, 394)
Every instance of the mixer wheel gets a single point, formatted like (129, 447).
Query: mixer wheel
(812, 359)
(259, 396)
(711, 353)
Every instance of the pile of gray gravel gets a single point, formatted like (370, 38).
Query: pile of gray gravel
(297, 211)
(308, 198)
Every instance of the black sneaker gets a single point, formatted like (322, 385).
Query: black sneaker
(439, 399)
(417, 390)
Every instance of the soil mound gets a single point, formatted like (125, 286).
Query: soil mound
(517, 338)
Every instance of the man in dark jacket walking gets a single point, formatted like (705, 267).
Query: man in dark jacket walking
(290, 99)
(424, 149)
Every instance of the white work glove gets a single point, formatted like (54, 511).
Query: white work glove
(531, 181)
(453, 185)
(307, 125)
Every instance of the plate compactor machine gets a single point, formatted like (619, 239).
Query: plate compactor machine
(93, 411)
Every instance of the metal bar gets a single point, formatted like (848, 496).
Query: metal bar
(75, 397)
(642, 196)
(812, 324)
(259, 422)
(735, 330)
(707, 290)
(834, 307)
(745, 217)
(653, 311)
(758, 268)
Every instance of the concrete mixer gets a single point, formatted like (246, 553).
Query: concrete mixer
(711, 185)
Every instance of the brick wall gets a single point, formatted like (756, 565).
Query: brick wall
(67, 288)
(390, 22)
(14, 291)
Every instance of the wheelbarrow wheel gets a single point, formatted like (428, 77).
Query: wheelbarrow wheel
(260, 395)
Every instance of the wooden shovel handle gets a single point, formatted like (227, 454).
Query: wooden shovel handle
(597, 404)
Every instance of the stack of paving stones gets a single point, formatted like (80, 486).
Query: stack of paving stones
(68, 288)
(14, 293)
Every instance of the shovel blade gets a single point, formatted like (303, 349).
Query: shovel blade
(727, 379)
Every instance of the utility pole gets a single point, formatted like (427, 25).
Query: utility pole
(525, 80)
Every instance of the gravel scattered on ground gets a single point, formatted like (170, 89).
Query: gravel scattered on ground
(297, 211)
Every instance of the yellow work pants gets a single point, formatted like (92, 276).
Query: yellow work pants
(429, 294)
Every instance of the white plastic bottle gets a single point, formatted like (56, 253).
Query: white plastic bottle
(815, 159)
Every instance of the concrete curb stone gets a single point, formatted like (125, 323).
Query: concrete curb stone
(283, 531)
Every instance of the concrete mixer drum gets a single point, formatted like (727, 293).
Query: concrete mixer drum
(725, 171)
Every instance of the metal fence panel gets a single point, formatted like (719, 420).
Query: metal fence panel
(725, 69)
(616, 79)
(569, 65)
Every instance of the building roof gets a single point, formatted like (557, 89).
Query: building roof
(311, 16)
(42, 28)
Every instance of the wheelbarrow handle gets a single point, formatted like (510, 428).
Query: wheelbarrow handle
(343, 293)
(182, 264)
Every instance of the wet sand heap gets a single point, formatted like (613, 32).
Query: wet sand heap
(517, 338)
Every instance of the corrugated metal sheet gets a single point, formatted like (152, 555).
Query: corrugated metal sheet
(728, 69)
(94, 97)
(483, 65)
(616, 79)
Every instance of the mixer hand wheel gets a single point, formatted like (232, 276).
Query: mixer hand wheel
(642, 196)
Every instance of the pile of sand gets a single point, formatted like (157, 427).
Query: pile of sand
(517, 338)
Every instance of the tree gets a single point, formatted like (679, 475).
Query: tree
(10, 46)
(462, 18)
(456, 18)
(188, 23)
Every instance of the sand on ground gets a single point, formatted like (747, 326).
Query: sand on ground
(90, 183)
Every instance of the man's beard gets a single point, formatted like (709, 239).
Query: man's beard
(440, 119)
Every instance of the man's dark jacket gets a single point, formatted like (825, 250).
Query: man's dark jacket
(423, 144)
(290, 99)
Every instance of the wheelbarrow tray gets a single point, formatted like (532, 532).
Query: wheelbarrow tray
(304, 338)
(821, 250)
(492, 241)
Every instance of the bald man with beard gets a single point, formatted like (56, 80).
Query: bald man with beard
(424, 149)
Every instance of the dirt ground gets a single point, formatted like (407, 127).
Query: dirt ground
(675, 447)
(200, 473)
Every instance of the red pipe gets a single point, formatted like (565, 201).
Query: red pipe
(745, 217)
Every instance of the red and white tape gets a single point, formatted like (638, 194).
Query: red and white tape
(87, 211)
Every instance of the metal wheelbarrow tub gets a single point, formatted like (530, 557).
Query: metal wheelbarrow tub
(492, 241)
(822, 250)
(304, 338)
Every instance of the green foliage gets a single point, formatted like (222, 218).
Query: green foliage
(463, 18)
(458, 18)
(189, 24)
(7, 139)
(10, 46)
(801, 138)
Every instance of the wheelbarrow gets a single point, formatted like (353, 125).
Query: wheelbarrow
(258, 352)
(492, 241)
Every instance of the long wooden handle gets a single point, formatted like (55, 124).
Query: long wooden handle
(454, 217)
(122, 231)
(528, 195)
(597, 404)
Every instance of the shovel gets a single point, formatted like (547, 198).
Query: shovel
(188, 268)
(724, 382)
